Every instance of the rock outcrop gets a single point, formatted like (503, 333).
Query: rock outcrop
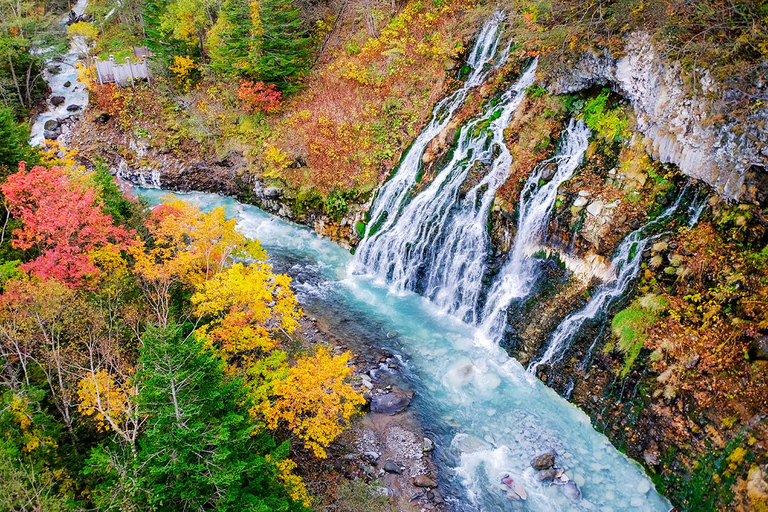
(694, 130)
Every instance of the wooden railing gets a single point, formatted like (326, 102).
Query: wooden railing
(109, 71)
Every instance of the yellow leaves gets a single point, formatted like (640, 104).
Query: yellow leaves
(314, 400)
(104, 399)
(19, 406)
(183, 67)
(297, 490)
(247, 304)
(186, 246)
(275, 161)
(84, 29)
(85, 74)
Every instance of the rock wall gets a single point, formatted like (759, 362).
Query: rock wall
(694, 130)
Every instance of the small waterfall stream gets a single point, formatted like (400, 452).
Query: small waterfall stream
(440, 242)
(394, 192)
(626, 261)
(517, 275)
(61, 76)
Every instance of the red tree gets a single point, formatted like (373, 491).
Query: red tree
(62, 219)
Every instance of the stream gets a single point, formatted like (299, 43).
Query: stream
(61, 76)
(486, 414)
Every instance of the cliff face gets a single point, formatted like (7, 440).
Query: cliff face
(691, 126)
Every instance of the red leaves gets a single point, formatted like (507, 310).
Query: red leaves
(62, 219)
(259, 97)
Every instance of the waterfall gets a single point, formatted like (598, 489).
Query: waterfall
(626, 261)
(517, 275)
(395, 191)
(439, 244)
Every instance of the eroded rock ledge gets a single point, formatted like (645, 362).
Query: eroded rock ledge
(696, 131)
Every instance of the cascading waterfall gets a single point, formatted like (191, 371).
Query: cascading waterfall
(626, 261)
(517, 274)
(439, 244)
(394, 192)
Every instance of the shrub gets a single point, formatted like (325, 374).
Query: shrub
(259, 97)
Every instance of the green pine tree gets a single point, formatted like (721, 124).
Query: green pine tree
(198, 450)
(285, 49)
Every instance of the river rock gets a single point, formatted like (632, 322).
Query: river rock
(545, 460)
(51, 125)
(391, 403)
(51, 134)
(67, 83)
(391, 467)
(580, 202)
(644, 486)
(57, 100)
(428, 445)
(546, 475)
(73, 108)
(423, 481)
(571, 490)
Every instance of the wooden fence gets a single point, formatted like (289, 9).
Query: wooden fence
(109, 71)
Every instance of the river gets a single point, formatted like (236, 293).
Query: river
(488, 416)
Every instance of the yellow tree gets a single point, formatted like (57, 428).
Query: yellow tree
(185, 246)
(313, 399)
(246, 305)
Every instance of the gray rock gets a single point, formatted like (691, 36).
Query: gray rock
(57, 100)
(73, 108)
(391, 467)
(423, 481)
(758, 348)
(580, 202)
(571, 490)
(51, 125)
(594, 208)
(543, 461)
(546, 475)
(371, 456)
(391, 403)
(272, 192)
(67, 83)
(428, 445)
(51, 135)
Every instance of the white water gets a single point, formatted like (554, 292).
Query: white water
(394, 193)
(440, 242)
(487, 415)
(75, 94)
(517, 275)
(626, 261)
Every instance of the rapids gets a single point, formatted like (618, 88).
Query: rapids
(488, 416)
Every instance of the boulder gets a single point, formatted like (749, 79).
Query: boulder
(57, 100)
(73, 108)
(423, 481)
(758, 348)
(391, 403)
(428, 445)
(51, 134)
(272, 192)
(543, 461)
(51, 125)
(67, 83)
(595, 207)
(546, 475)
(391, 467)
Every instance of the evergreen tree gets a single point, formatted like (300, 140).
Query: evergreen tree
(13, 143)
(198, 450)
(233, 39)
(284, 53)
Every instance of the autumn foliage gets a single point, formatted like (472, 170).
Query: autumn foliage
(259, 97)
(61, 220)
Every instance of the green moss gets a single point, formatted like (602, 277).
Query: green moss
(608, 122)
(630, 326)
